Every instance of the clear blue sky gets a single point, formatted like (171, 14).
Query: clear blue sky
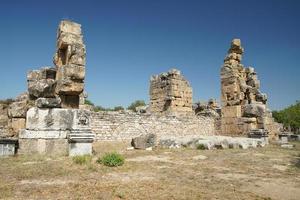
(128, 41)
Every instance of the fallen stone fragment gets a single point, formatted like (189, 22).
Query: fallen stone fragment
(144, 141)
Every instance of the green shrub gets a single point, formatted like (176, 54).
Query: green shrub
(136, 104)
(289, 117)
(111, 160)
(99, 108)
(201, 147)
(88, 102)
(81, 160)
(117, 108)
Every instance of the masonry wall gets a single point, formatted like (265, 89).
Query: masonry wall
(124, 126)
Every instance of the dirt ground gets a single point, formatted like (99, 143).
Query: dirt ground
(262, 173)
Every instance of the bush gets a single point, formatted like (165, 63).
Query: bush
(117, 108)
(111, 160)
(289, 117)
(99, 108)
(136, 104)
(82, 159)
(88, 102)
(201, 147)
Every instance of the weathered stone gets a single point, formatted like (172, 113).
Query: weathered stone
(71, 71)
(144, 141)
(170, 93)
(69, 60)
(241, 97)
(17, 124)
(43, 134)
(67, 87)
(254, 110)
(49, 119)
(42, 88)
(8, 147)
(18, 109)
(43, 146)
(48, 102)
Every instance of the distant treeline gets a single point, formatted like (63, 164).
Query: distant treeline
(289, 117)
(132, 106)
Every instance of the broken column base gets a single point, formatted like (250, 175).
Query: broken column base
(80, 142)
(8, 147)
(260, 134)
(46, 142)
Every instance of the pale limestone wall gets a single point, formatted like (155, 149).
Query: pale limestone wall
(124, 126)
(170, 92)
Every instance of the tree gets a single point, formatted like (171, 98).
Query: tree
(289, 117)
(135, 104)
(117, 108)
(99, 108)
(88, 102)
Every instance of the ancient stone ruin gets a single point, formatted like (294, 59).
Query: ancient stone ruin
(170, 93)
(244, 106)
(55, 125)
(52, 118)
(69, 60)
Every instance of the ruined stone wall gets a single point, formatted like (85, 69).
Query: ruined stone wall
(126, 125)
(69, 59)
(170, 93)
(244, 106)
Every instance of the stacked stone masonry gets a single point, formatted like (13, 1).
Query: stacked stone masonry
(243, 104)
(56, 125)
(170, 93)
(109, 125)
(69, 60)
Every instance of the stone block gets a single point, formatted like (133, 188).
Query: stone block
(42, 88)
(78, 149)
(17, 124)
(70, 101)
(232, 111)
(18, 109)
(144, 141)
(43, 134)
(69, 27)
(71, 71)
(8, 147)
(69, 87)
(48, 102)
(49, 119)
(43, 146)
(254, 110)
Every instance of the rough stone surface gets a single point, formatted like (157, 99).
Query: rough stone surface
(49, 119)
(122, 125)
(144, 141)
(48, 102)
(210, 142)
(41, 83)
(170, 93)
(18, 109)
(8, 147)
(241, 97)
(69, 60)
(43, 146)
(80, 148)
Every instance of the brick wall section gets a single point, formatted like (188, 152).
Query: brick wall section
(123, 126)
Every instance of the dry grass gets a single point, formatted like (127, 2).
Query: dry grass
(263, 173)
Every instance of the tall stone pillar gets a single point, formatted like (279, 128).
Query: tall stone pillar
(244, 107)
(69, 60)
(55, 125)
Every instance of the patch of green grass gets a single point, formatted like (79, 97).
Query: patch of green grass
(81, 160)
(201, 147)
(112, 160)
